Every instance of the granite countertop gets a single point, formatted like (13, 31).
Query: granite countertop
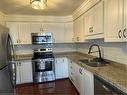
(23, 57)
(114, 73)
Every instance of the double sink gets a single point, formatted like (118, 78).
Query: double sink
(94, 62)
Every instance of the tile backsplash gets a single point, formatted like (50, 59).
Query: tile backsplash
(28, 49)
(113, 51)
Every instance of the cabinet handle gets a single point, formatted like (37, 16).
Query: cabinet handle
(105, 87)
(19, 64)
(77, 38)
(17, 41)
(124, 31)
(54, 40)
(72, 39)
(90, 29)
(119, 34)
(63, 60)
(80, 71)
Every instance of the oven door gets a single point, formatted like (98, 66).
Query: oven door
(43, 65)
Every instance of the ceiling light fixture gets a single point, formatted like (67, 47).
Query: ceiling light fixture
(38, 4)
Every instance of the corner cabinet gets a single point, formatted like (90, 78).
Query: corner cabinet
(24, 72)
(115, 26)
(81, 78)
(93, 21)
(61, 68)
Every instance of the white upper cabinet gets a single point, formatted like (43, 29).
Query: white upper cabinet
(24, 33)
(93, 22)
(13, 30)
(20, 32)
(36, 28)
(68, 33)
(58, 32)
(115, 20)
(79, 35)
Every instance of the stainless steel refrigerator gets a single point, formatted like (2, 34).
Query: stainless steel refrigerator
(7, 64)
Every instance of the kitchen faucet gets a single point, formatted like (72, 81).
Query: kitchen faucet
(99, 51)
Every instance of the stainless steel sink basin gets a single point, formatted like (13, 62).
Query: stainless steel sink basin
(93, 63)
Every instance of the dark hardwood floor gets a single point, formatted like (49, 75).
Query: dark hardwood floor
(58, 87)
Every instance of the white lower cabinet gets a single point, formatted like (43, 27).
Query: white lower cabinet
(81, 78)
(61, 68)
(24, 72)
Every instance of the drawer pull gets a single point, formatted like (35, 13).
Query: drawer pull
(124, 31)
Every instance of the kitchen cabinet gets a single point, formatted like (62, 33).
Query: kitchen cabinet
(89, 82)
(13, 31)
(93, 21)
(68, 33)
(58, 32)
(41, 27)
(79, 34)
(24, 33)
(61, 68)
(115, 26)
(24, 72)
(20, 32)
(81, 78)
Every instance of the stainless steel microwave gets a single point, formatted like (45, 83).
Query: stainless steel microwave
(41, 38)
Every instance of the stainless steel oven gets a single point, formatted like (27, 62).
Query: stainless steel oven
(41, 38)
(43, 65)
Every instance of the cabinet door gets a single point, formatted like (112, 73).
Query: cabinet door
(89, 22)
(113, 23)
(58, 32)
(18, 81)
(26, 71)
(71, 75)
(125, 21)
(65, 68)
(88, 83)
(58, 68)
(76, 75)
(68, 34)
(61, 68)
(36, 28)
(98, 18)
(14, 31)
(93, 20)
(78, 30)
(24, 33)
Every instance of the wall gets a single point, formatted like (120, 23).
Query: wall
(113, 51)
(28, 49)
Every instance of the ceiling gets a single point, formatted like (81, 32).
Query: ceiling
(54, 8)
